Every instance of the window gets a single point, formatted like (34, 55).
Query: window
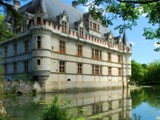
(62, 67)
(62, 47)
(93, 69)
(38, 20)
(119, 71)
(100, 53)
(64, 26)
(93, 53)
(100, 70)
(94, 26)
(15, 67)
(119, 58)
(6, 51)
(79, 50)
(79, 68)
(81, 32)
(109, 57)
(44, 22)
(97, 54)
(38, 42)
(15, 48)
(109, 71)
(96, 70)
(5, 68)
(98, 28)
(26, 45)
(90, 25)
(26, 66)
(120, 45)
(38, 62)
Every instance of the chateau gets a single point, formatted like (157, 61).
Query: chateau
(63, 48)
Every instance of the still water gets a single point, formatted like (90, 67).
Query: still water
(119, 104)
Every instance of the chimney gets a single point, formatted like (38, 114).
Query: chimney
(74, 4)
(16, 4)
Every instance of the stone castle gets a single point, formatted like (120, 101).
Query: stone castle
(63, 48)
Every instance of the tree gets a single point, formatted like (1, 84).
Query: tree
(15, 18)
(4, 32)
(129, 11)
(153, 76)
(138, 73)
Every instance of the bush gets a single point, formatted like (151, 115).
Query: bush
(55, 112)
(4, 117)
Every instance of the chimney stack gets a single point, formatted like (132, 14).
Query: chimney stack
(74, 4)
(16, 4)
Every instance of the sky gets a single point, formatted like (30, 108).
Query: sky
(142, 50)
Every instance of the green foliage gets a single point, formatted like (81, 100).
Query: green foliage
(4, 117)
(153, 76)
(1, 79)
(149, 95)
(143, 74)
(128, 11)
(4, 32)
(138, 72)
(55, 112)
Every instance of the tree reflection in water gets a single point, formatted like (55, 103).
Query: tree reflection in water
(150, 95)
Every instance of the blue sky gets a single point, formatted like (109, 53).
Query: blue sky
(143, 50)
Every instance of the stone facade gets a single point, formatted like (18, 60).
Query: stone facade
(66, 49)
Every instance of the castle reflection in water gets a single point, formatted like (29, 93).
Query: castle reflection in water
(96, 105)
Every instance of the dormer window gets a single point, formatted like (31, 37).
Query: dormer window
(90, 25)
(120, 45)
(44, 22)
(38, 20)
(64, 26)
(98, 28)
(81, 32)
(94, 27)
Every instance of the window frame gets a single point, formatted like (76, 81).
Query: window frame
(26, 46)
(15, 48)
(61, 66)
(79, 68)
(64, 26)
(80, 50)
(62, 47)
(109, 70)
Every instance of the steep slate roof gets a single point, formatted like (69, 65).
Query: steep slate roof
(125, 40)
(53, 8)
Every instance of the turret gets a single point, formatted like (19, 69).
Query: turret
(16, 4)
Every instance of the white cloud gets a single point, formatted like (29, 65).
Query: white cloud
(131, 42)
(156, 45)
(86, 8)
(141, 11)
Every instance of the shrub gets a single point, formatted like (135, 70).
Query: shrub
(55, 112)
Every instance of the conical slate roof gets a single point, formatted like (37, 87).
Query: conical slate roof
(125, 40)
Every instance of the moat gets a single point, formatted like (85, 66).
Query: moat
(119, 104)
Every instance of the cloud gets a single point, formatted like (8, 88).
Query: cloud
(131, 42)
(86, 8)
(141, 11)
(156, 45)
